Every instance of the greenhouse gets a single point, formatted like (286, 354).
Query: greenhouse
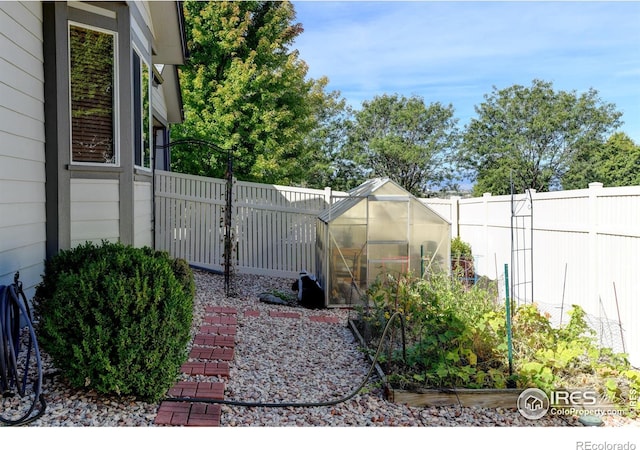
(378, 229)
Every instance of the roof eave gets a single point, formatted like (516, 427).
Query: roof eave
(170, 40)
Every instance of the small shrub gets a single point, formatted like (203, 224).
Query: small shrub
(462, 259)
(460, 249)
(116, 318)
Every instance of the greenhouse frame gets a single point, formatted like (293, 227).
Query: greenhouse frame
(379, 229)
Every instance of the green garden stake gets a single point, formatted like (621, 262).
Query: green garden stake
(422, 261)
(508, 304)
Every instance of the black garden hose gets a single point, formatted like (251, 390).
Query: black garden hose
(343, 399)
(18, 354)
(303, 404)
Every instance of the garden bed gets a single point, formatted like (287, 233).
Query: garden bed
(438, 342)
(421, 397)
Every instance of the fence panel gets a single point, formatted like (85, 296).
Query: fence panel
(273, 226)
(189, 212)
(585, 242)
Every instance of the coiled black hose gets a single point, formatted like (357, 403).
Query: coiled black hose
(18, 355)
(305, 404)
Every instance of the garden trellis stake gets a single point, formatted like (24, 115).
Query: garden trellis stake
(228, 235)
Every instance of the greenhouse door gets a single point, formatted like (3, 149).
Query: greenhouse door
(387, 236)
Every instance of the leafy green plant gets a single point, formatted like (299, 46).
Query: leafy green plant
(460, 249)
(552, 358)
(116, 318)
(462, 259)
(455, 336)
(444, 345)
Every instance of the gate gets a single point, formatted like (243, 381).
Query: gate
(265, 229)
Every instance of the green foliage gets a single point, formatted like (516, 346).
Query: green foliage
(403, 139)
(444, 346)
(614, 163)
(553, 358)
(244, 89)
(456, 337)
(533, 133)
(462, 260)
(116, 318)
(324, 145)
(460, 249)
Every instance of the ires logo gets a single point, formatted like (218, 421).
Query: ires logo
(561, 399)
(534, 403)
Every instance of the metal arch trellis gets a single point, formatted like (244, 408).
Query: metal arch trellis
(228, 230)
(521, 247)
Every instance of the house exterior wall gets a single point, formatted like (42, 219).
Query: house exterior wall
(158, 101)
(143, 214)
(66, 222)
(95, 210)
(48, 203)
(142, 192)
(22, 149)
(73, 215)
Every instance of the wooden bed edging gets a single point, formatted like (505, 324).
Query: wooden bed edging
(483, 398)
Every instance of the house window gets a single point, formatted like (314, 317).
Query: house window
(141, 112)
(93, 93)
(162, 155)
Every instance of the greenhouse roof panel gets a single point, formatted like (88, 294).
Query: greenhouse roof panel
(381, 188)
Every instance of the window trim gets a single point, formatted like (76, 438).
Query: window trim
(116, 96)
(136, 51)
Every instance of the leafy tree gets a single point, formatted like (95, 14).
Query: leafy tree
(533, 135)
(245, 89)
(404, 139)
(615, 163)
(324, 144)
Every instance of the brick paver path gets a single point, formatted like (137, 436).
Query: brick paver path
(212, 351)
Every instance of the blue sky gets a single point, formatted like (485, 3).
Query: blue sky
(456, 52)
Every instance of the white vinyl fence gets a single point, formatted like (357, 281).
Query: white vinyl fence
(584, 248)
(274, 227)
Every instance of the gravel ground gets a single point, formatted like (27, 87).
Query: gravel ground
(279, 359)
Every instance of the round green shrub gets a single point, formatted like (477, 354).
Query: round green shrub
(460, 249)
(116, 318)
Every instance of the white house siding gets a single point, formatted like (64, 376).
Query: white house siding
(22, 155)
(142, 221)
(158, 101)
(144, 11)
(142, 31)
(94, 211)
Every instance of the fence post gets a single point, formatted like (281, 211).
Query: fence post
(593, 227)
(455, 216)
(485, 231)
(327, 196)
